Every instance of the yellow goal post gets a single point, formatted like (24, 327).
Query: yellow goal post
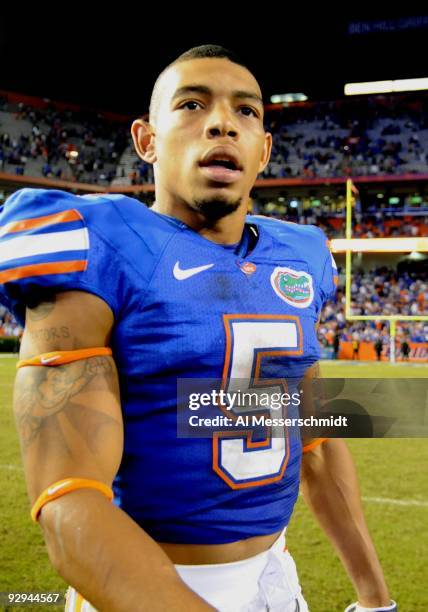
(351, 245)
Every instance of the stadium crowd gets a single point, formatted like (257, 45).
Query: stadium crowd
(369, 136)
(379, 292)
(372, 135)
(368, 225)
(9, 328)
(77, 146)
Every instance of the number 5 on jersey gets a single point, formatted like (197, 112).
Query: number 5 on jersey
(240, 461)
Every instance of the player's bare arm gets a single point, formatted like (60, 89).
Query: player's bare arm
(330, 487)
(70, 425)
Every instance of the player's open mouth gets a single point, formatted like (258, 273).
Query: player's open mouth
(221, 167)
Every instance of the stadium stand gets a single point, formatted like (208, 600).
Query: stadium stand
(76, 146)
(366, 137)
(381, 291)
(369, 136)
(377, 136)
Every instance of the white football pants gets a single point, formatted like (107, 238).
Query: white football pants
(266, 582)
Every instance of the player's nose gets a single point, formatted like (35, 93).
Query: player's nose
(221, 122)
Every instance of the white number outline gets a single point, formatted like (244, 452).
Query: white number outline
(254, 383)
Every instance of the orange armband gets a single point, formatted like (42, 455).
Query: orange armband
(57, 358)
(67, 485)
(311, 445)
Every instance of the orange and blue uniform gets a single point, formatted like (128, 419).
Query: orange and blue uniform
(184, 307)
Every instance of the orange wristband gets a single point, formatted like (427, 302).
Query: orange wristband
(61, 487)
(57, 358)
(313, 444)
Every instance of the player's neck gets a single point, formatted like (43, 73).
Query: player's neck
(227, 230)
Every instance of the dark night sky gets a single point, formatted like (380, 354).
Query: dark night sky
(110, 62)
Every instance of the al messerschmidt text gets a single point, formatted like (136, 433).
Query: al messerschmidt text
(262, 420)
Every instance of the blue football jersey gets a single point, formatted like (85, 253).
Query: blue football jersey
(184, 307)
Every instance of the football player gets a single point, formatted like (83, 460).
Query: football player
(119, 302)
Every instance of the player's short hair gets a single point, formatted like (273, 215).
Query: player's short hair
(201, 52)
(204, 51)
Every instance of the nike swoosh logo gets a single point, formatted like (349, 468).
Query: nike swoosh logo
(180, 274)
(45, 361)
(53, 490)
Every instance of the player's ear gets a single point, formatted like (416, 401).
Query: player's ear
(143, 136)
(267, 148)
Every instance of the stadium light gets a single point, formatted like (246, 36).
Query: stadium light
(288, 97)
(375, 87)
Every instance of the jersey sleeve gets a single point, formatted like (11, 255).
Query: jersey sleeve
(50, 243)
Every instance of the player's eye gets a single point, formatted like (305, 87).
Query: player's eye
(248, 111)
(190, 105)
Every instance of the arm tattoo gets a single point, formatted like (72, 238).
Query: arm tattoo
(49, 334)
(48, 392)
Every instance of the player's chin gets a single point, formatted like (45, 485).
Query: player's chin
(216, 205)
(231, 198)
(217, 190)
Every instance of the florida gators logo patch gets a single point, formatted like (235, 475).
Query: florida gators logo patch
(293, 286)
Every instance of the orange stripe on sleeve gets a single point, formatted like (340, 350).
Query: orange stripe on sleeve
(313, 444)
(56, 358)
(56, 267)
(39, 222)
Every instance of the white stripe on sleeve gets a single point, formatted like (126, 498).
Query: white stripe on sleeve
(43, 244)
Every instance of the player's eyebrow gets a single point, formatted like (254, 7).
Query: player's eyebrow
(203, 89)
(247, 94)
(188, 89)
